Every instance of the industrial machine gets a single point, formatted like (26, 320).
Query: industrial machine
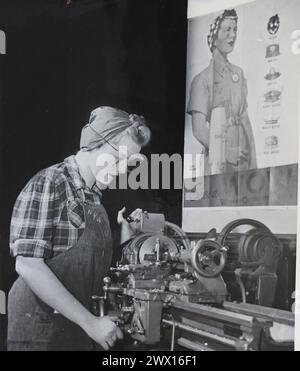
(212, 294)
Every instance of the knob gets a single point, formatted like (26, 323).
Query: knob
(107, 281)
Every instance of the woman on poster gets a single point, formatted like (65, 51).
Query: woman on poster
(218, 104)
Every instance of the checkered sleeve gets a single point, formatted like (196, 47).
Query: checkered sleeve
(33, 220)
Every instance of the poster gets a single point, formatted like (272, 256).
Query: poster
(242, 108)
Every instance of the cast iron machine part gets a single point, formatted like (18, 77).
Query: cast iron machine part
(255, 268)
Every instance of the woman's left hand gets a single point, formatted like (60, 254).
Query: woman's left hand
(129, 229)
(243, 155)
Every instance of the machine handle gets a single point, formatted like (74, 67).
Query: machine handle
(208, 258)
(99, 300)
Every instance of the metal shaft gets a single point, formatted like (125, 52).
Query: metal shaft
(195, 331)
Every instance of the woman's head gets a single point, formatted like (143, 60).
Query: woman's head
(107, 124)
(223, 32)
(112, 136)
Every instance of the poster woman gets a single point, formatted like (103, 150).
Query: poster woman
(218, 104)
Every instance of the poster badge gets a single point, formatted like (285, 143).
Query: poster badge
(272, 51)
(272, 96)
(272, 74)
(2, 42)
(235, 77)
(274, 24)
(271, 142)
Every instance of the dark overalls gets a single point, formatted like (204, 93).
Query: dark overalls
(32, 324)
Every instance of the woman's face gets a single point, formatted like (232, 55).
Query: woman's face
(112, 160)
(226, 36)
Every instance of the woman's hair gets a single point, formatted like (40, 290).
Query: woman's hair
(215, 27)
(139, 132)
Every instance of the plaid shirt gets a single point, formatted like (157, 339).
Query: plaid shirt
(48, 216)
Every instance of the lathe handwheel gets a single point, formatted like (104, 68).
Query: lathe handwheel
(208, 259)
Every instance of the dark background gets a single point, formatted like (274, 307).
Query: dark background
(62, 62)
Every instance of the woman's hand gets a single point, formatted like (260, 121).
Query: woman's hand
(135, 218)
(103, 331)
(236, 156)
(243, 155)
(129, 229)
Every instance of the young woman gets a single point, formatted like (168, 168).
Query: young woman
(61, 238)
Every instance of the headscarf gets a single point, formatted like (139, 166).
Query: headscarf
(105, 123)
(215, 27)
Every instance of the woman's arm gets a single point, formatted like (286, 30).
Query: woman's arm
(200, 129)
(39, 276)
